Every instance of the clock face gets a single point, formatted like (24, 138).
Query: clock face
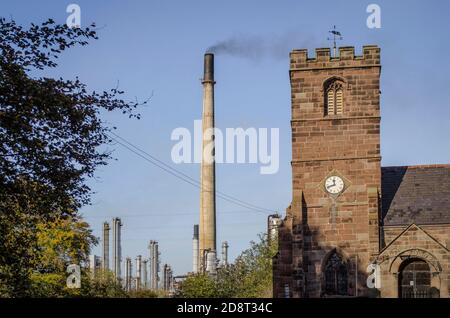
(334, 185)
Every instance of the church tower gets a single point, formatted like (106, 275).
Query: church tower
(331, 230)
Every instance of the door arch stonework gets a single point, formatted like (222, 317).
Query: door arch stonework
(419, 254)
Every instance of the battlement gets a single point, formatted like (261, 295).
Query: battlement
(346, 57)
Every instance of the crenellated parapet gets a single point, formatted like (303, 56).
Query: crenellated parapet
(346, 58)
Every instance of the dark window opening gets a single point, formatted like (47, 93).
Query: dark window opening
(336, 276)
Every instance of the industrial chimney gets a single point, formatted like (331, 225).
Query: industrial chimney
(105, 260)
(167, 278)
(128, 271)
(116, 223)
(138, 272)
(144, 274)
(225, 254)
(207, 243)
(154, 264)
(94, 264)
(195, 250)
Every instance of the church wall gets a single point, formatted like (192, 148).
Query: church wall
(414, 243)
(348, 145)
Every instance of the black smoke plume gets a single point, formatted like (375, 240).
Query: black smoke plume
(257, 47)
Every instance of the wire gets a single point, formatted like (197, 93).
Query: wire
(182, 176)
(177, 226)
(191, 182)
(188, 177)
(159, 214)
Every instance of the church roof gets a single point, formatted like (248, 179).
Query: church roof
(415, 194)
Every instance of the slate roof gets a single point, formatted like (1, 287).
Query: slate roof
(415, 194)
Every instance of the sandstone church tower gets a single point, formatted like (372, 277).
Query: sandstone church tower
(331, 230)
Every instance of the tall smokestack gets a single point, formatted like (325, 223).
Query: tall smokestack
(144, 274)
(207, 240)
(225, 254)
(208, 68)
(165, 271)
(167, 277)
(116, 247)
(138, 272)
(154, 264)
(128, 270)
(94, 264)
(195, 250)
(105, 259)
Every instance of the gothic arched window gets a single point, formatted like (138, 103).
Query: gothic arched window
(334, 98)
(336, 276)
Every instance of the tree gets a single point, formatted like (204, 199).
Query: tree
(250, 276)
(62, 242)
(53, 285)
(50, 138)
(145, 293)
(102, 285)
(254, 269)
(198, 286)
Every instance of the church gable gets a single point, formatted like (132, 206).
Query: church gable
(415, 265)
(412, 238)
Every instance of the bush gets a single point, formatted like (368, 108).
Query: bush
(198, 286)
(250, 276)
(103, 285)
(53, 285)
(143, 294)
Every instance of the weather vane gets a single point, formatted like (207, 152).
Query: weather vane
(336, 36)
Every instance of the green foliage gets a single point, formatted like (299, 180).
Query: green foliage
(254, 270)
(250, 276)
(62, 242)
(49, 285)
(198, 286)
(67, 241)
(53, 285)
(51, 137)
(143, 294)
(103, 285)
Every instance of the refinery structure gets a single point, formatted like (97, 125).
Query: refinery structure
(145, 271)
(142, 274)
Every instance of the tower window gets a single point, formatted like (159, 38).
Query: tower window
(336, 276)
(334, 98)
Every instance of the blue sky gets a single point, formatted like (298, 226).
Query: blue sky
(158, 46)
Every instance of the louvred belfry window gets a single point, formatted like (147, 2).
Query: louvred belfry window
(334, 100)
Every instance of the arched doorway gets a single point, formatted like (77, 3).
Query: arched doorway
(336, 276)
(414, 279)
